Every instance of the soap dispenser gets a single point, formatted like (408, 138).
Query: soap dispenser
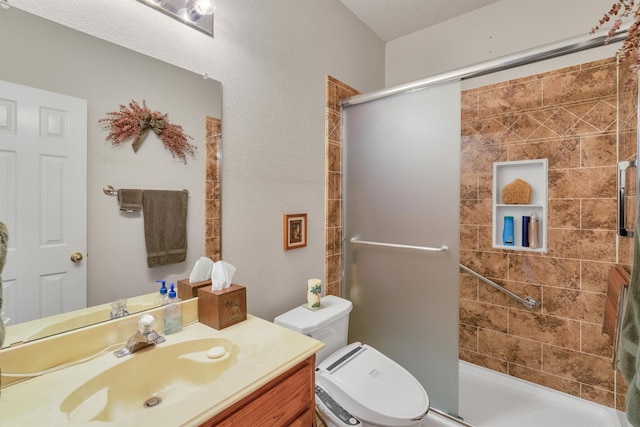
(162, 298)
(173, 313)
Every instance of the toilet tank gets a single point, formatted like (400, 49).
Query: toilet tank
(329, 323)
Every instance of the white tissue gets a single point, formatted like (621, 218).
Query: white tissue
(222, 275)
(202, 270)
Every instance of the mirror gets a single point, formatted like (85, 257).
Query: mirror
(41, 54)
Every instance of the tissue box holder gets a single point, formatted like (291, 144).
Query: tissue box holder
(219, 309)
(188, 290)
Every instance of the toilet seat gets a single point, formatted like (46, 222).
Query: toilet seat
(372, 387)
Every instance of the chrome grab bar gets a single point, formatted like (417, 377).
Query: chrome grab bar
(530, 302)
(622, 195)
(442, 248)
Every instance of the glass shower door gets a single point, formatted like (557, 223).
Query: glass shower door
(401, 231)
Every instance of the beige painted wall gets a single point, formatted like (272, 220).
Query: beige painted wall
(272, 58)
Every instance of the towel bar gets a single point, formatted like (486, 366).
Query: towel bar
(110, 191)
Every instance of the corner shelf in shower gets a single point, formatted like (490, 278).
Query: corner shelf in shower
(535, 173)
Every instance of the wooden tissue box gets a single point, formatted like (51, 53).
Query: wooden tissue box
(188, 290)
(220, 309)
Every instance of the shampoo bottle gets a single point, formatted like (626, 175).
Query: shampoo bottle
(507, 231)
(173, 313)
(534, 242)
(162, 298)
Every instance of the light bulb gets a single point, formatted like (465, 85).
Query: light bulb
(196, 9)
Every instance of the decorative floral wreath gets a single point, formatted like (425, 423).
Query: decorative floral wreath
(619, 11)
(134, 121)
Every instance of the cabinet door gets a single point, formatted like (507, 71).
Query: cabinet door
(287, 400)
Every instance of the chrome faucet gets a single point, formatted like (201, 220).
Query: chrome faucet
(144, 337)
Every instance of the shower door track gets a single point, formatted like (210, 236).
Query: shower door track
(530, 302)
(529, 56)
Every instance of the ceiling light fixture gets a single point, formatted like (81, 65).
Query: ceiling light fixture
(195, 13)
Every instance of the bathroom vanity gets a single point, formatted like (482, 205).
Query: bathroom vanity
(265, 377)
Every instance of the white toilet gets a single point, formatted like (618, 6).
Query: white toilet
(356, 385)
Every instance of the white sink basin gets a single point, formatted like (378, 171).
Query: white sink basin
(148, 379)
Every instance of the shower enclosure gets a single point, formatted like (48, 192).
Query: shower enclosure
(584, 122)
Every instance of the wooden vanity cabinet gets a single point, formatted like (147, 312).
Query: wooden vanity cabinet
(288, 400)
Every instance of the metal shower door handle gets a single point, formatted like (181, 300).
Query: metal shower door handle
(622, 194)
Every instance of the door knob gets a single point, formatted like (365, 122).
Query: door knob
(76, 257)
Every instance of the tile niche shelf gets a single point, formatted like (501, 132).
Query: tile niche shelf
(534, 172)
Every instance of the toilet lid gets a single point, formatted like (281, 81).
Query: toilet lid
(372, 387)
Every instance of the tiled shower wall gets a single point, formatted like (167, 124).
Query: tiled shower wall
(568, 116)
(212, 214)
(336, 91)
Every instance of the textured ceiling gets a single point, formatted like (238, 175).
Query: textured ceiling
(391, 19)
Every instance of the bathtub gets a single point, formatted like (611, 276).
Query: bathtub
(492, 399)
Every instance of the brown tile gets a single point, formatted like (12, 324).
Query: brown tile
(595, 276)
(544, 328)
(584, 368)
(481, 315)
(627, 145)
(334, 213)
(485, 238)
(333, 264)
(334, 156)
(564, 273)
(497, 132)
(598, 150)
(595, 341)
(492, 265)
(590, 83)
(564, 213)
(562, 154)
(475, 212)
(483, 360)
(598, 395)
(570, 183)
(599, 214)
(334, 288)
(476, 160)
(333, 123)
(572, 304)
(547, 380)
(596, 245)
(516, 95)
(469, 187)
(510, 348)
(490, 295)
(469, 237)
(334, 186)
(468, 287)
(485, 186)
(469, 105)
(468, 337)
(595, 117)
(625, 250)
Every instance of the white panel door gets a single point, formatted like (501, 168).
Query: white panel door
(43, 152)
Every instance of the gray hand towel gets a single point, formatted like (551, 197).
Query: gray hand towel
(630, 351)
(130, 199)
(165, 226)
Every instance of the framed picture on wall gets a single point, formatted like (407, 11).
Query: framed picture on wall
(295, 231)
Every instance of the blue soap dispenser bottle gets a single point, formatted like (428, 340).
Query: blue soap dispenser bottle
(173, 313)
(162, 298)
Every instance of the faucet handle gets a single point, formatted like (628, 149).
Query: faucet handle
(145, 322)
